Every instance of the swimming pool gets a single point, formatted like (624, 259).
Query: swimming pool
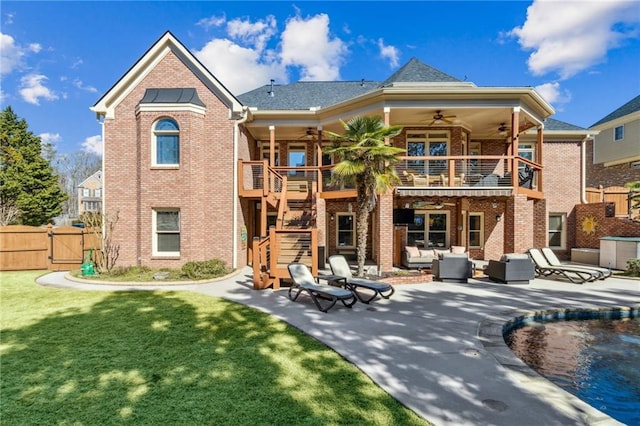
(593, 355)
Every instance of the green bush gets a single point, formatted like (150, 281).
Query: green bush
(205, 269)
(633, 267)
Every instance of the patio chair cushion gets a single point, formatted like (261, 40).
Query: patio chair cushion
(372, 289)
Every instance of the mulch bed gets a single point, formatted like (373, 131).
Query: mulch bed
(404, 277)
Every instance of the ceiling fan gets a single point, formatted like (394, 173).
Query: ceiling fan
(439, 118)
(308, 134)
(502, 129)
(431, 205)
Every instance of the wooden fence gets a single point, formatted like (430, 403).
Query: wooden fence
(617, 195)
(55, 249)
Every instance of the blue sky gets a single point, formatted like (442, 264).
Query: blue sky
(59, 58)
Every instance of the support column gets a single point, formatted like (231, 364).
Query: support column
(383, 249)
(272, 146)
(519, 225)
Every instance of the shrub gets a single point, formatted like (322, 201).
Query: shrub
(633, 267)
(205, 269)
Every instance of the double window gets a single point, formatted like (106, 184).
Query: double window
(166, 144)
(428, 144)
(429, 229)
(166, 232)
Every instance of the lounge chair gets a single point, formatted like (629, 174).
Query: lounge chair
(554, 261)
(303, 280)
(572, 273)
(340, 267)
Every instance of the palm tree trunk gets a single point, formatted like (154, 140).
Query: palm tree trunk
(362, 231)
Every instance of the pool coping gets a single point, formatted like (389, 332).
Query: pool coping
(491, 331)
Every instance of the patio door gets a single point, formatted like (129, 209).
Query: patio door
(429, 229)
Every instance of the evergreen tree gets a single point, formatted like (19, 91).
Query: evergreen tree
(28, 185)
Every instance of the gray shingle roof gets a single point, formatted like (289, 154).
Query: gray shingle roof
(630, 107)
(553, 124)
(171, 96)
(305, 94)
(416, 71)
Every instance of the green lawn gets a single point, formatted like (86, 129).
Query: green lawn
(169, 358)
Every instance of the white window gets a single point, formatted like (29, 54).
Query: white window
(528, 151)
(429, 229)
(476, 230)
(166, 232)
(165, 149)
(557, 234)
(428, 144)
(86, 192)
(346, 230)
(618, 133)
(97, 192)
(474, 164)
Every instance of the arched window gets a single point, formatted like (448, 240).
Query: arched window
(167, 143)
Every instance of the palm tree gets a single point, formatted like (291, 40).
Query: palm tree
(634, 199)
(366, 162)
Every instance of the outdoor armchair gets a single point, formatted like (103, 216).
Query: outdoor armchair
(365, 290)
(303, 281)
(452, 267)
(513, 268)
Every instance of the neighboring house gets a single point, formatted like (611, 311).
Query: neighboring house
(198, 173)
(90, 194)
(615, 152)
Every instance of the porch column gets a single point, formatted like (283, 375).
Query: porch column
(515, 138)
(272, 146)
(319, 159)
(387, 112)
(538, 158)
(383, 246)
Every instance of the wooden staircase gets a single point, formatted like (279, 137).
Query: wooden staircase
(294, 238)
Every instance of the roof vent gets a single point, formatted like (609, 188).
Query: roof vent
(270, 92)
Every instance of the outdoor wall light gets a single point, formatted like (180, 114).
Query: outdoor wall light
(494, 204)
(331, 216)
(498, 218)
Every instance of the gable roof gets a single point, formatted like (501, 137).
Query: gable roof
(416, 71)
(629, 108)
(167, 43)
(96, 176)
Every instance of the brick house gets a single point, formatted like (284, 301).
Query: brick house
(197, 172)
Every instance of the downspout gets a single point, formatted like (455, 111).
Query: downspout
(236, 135)
(583, 170)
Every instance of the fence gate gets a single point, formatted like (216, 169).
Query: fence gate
(66, 248)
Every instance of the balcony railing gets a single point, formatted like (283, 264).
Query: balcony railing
(437, 172)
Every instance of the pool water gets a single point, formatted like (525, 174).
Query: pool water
(597, 360)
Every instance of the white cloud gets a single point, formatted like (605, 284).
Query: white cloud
(32, 89)
(214, 21)
(224, 59)
(51, 138)
(93, 144)
(571, 36)
(35, 47)
(10, 54)
(80, 85)
(256, 34)
(307, 43)
(553, 94)
(389, 52)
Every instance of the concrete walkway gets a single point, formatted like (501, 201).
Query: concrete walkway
(434, 346)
